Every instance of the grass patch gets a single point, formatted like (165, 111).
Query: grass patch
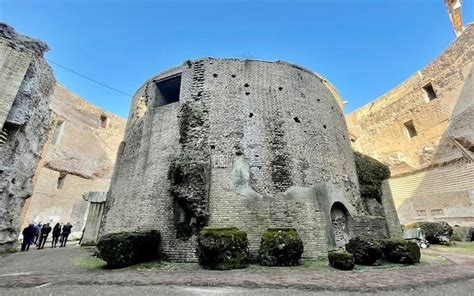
(466, 248)
(90, 262)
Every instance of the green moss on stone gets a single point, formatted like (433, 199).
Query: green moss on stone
(401, 251)
(222, 248)
(128, 248)
(280, 247)
(371, 174)
(341, 260)
(366, 251)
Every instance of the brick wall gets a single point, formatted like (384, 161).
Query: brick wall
(275, 134)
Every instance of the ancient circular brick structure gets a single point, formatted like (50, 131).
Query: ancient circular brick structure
(241, 143)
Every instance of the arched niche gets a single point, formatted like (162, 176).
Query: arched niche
(341, 223)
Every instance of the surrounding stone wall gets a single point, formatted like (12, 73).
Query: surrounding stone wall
(444, 136)
(25, 127)
(267, 139)
(81, 153)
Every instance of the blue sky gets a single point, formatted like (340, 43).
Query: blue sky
(364, 47)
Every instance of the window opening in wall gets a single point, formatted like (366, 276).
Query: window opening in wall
(437, 212)
(429, 91)
(167, 91)
(7, 131)
(103, 121)
(410, 129)
(61, 178)
(58, 132)
(421, 213)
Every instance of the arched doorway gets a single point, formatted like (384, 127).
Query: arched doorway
(340, 219)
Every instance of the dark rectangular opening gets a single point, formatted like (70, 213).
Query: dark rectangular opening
(430, 92)
(8, 129)
(103, 121)
(410, 129)
(60, 183)
(167, 91)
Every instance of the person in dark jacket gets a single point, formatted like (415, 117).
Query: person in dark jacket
(28, 235)
(45, 230)
(65, 233)
(38, 233)
(56, 234)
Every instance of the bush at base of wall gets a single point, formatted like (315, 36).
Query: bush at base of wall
(128, 248)
(280, 247)
(365, 250)
(341, 260)
(222, 248)
(401, 251)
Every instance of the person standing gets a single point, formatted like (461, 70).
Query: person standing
(44, 235)
(65, 233)
(37, 233)
(56, 234)
(28, 235)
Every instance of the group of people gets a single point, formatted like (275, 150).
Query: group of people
(38, 234)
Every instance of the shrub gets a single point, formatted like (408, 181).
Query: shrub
(401, 251)
(280, 247)
(222, 248)
(462, 234)
(341, 260)
(435, 232)
(365, 250)
(128, 248)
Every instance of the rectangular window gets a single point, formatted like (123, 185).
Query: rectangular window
(167, 91)
(58, 133)
(7, 131)
(437, 213)
(103, 121)
(61, 178)
(429, 92)
(421, 213)
(410, 129)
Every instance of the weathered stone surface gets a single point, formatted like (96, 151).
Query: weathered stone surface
(80, 151)
(280, 247)
(26, 127)
(432, 170)
(341, 260)
(126, 248)
(222, 248)
(366, 251)
(401, 251)
(230, 142)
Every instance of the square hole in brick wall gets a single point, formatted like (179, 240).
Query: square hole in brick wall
(410, 129)
(429, 91)
(167, 91)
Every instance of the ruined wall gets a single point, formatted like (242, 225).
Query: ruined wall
(81, 152)
(250, 144)
(25, 127)
(438, 100)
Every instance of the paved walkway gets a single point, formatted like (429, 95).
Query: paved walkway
(56, 267)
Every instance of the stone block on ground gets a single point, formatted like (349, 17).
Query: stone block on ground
(222, 248)
(280, 247)
(128, 248)
(401, 251)
(366, 251)
(342, 260)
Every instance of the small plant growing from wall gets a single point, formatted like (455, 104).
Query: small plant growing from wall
(222, 248)
(280, 247)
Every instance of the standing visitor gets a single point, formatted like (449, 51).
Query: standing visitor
(37, 233)
(65, 233)
(28, 235)
(45, 230)
(56, 233)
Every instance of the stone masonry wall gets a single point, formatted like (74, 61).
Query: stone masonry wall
(279, 155)
(431, 171)
(26, 127)
(81, 152)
